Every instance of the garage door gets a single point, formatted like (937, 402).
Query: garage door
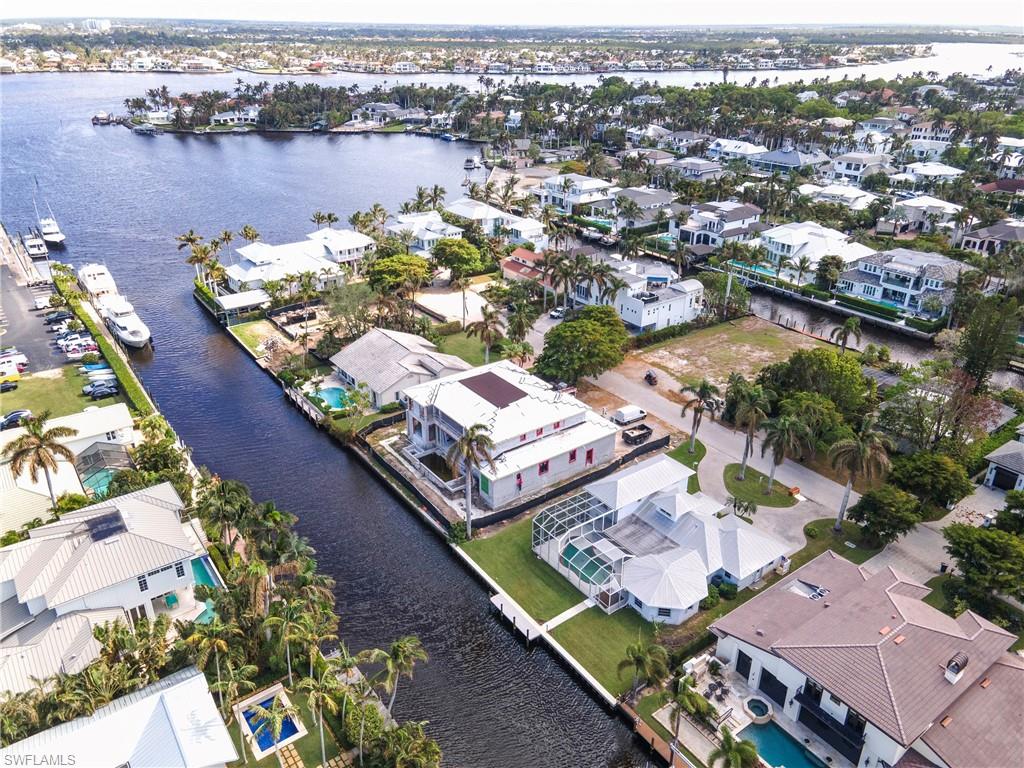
(1005, 479)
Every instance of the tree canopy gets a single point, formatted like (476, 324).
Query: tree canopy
(394, 273)
(589, 344)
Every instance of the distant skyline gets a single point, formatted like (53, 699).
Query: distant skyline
(544, 12)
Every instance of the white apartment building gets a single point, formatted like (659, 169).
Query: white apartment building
(541, 437)
(788, 243)
(568, 190)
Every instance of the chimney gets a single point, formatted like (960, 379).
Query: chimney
(955, 667)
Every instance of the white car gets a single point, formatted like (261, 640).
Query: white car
(43, 302)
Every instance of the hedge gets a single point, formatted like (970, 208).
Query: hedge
(975, 457)
(448, 329)
(928, 326)
(585, 222)
(869, 307)
(130, 386)
(647, 338)
(392, 407)
(815, 293)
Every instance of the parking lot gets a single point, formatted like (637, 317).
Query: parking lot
(24, 324)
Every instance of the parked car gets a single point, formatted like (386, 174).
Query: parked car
(557, 313)
(93, 386)
(103, 392)
(57, 317)
(13, 419)
(43, 302)
(627, 414)
(8, 386)
(77, 353)
(74, 340)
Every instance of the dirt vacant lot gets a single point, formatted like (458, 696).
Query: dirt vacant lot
(744, 346)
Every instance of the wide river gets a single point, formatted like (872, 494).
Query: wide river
(121, 199)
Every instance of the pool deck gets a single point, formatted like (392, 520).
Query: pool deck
(276, 690)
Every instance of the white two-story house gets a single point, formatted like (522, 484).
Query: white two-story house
(568, 190)
(324, 253)
(498, 223)
(541, 437)
(855, 166)
(424, 229)
(714, 224)
(787, 244)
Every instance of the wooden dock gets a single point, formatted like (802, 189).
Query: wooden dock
(18, 261)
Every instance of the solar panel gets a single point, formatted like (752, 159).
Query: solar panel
(105, 526)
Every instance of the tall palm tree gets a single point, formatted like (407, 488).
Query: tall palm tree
(401, 659)
(803, 266)
(271, 720)
(199, 256)
(649, 662)
(783, 436)
(249, 234)
(469, 452)
(216, 274)
(317, 218)
(321, 692)
(488, 328)
(461, 283)
(546, 266)
(316, 627)
(733, 753)
(287, 623)
(684, 698)
(841, 333)
(866, 455)
(212, 638)
(753, 407)
(188, 239)
(330, 219)
(518, 352)
(363, 697)
(238, 681)
(705, 399)
(39, 448)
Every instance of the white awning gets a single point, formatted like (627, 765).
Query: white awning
(231, 302)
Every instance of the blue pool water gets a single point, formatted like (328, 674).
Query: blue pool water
(265, 738)
(99, 481)
(201, 572)
(778, 748)
(335, 397)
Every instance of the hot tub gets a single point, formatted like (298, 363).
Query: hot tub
(757, 709)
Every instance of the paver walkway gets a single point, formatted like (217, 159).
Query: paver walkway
(564, 616)
(290, 757)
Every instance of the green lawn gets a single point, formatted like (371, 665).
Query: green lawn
(308, 746)
(61, 395)
(752, 488)
(598, 642)
(692, 460)
(820, 537)
(253, 333)
(509, 559)
(469, 349)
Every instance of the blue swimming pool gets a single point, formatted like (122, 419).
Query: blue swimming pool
(98, 481)
(778, 748)
(335, 397)
(202, 572)
(265, 738)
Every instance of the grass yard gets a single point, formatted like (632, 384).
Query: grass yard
(58, 391)
(820, 537)
(692, 460)
(308, 746)
(752, 487)
(253, 333)
(745, 346)
(508, 557)
(598, 642)
(469, 349)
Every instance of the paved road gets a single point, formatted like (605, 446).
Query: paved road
(25, 329)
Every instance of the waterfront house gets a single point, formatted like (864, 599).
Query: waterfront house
(653, 297)
(245, 116)
(695, 169)
(862, 663)
(844, 194)
(647, 134)
(425, 229)
(788, 243)
(380, 113)
(649, 201)
(913, 281)
(733, 149)
(387, 362)
(343, 246)
(714, 224)
(788, 159)
(639, 538)
(993, 238)
(172, 723)
(1006, 465)
(100, 445)
(929, 172)
(918, 214)
(323, 253)
(121, 559)
(568, 190)
(855, 166)
(541, 437)
(495, 222)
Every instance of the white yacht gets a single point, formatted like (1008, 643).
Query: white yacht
(49, 228)
(120, 317)
(35, 245)
(96, 281)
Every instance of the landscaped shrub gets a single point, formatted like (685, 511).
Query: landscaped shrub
(393, 407)
(448, 329)
(871, 308)
(712, 599)
(648, 338)
(287, 378)
(928, 326)
(727, 590)
(373, 727)
(816, 293)
(974, 460)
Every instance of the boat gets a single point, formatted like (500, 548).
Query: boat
(146, 129)
(447, 137)
(96, 281)
(471, 164)
(609, 240)
(120, 317)
(102, 118)
(35, 245)
(48, 227)
(589, 233)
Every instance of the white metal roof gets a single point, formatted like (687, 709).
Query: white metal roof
(172, 723)
(243, 300)
(90, 423)
(551, 445)
(667, 580)
(660, 473)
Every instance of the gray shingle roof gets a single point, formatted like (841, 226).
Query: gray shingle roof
(1009, 456)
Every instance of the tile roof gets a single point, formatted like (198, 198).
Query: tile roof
(382, 358)
(1009, 456)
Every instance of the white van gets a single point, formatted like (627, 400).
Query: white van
(627, 414)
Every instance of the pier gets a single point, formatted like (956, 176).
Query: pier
(17, 260)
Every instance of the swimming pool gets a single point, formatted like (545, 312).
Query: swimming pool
(98, 481)
(202, 572)
(778, 748)
(335, 397)
(582, 563)
(265, 738)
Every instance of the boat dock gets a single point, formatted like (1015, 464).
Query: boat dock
(13, 253)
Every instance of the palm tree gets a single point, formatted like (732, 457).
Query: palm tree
(216, 274)
(316, 628)
(287, 622)
(684, 698)
(733, 753)
(330, 219)
(519, 352)
(783, 436)
(188, 239)
(39, 448)
(649, 662)
(212, 638)
(469, 452)
(866, 454)
(321, 692)
(271, 720)
(520, 320)
(803, 266)
(629, 210)
(460, 283)
(199, 256)
(318, 218)
(401, 658)
(841, 333)
(489, 328)
(436, 196)
(18, 718)
(705, 398)
(249, 234)
(237, 682)
(753, 407)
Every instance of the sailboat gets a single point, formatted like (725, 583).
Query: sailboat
(48, 227)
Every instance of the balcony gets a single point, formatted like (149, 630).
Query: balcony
(842, 737)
